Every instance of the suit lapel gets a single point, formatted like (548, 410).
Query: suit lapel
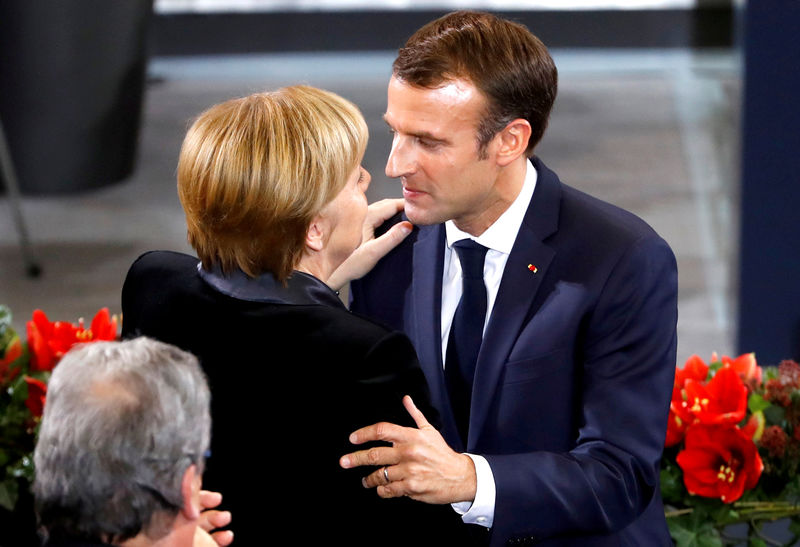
(516, 294)
(426, 291)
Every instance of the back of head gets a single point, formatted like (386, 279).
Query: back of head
(122, 423)
(253, 172)
(508, 64)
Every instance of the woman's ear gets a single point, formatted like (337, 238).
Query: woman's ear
(513, 141)
(315, 236)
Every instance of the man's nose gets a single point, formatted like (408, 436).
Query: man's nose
(400, 162)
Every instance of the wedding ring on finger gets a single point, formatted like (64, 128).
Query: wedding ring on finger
(386, 475)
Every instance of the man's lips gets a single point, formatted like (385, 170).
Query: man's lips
(411, 192)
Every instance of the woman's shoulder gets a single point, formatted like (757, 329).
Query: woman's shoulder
(164, 260)
(159, 271)
(342, 324)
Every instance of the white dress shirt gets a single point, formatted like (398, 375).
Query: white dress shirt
(498, 239)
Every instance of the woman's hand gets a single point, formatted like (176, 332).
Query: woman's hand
(372, 249)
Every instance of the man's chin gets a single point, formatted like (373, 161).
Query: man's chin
(422, 217)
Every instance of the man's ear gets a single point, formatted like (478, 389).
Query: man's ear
(315, 236)
(190, 492)
(513, 141)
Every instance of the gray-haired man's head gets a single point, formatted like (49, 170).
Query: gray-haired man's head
(122, 424)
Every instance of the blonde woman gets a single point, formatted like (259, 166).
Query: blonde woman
(273, 191)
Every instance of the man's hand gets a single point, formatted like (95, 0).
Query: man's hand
(372, 249)
(419, 464)
(211, 519)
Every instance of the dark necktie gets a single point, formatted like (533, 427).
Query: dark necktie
(466, 332)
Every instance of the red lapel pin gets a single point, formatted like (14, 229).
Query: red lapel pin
(533, 268)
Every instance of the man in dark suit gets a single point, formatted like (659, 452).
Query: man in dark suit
(555, 408)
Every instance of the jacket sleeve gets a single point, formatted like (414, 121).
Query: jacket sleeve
(627, 361)
(388, 372)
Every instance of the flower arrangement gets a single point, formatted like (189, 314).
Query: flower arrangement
(25, 369)
(732, 451)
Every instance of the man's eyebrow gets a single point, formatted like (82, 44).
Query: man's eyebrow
(421, 134)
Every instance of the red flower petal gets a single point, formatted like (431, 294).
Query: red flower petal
(12, 352)
(37, 392)
(722, 400)
(694, 368)
(103, 326)
(719, 461)
(746, 367)
(679, 418)
(41, 356)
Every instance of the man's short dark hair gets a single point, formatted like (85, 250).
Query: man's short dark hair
(508, 64)
(122, 423)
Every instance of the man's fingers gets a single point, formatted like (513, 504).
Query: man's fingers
(395, 489)
(379, 455)
(382, 431)
(415, 413)
(209, 500)
(376, 478)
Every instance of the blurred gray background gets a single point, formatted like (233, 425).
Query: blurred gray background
(654, 129)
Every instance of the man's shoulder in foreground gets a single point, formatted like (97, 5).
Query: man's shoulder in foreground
(578, 210)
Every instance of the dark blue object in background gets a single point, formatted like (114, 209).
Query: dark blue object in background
(769, 294)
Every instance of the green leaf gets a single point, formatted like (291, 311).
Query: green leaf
(683, 536)
(7, 334)
(694, 531)
(756, 542)
(774, 414)
(769, 373)
(725, 515)
(8, 494)
(672, 489)
(709, 541)
(794, 527)
(757, 403)
(5, 317)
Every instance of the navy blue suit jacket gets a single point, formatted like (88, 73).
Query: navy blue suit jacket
(575, 372)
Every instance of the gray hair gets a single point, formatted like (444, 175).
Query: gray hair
(122, 423)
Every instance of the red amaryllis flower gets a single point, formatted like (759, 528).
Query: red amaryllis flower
(746, 367)
(49, 341)
(680, 417)
(722, 400)
(37, 391)
(694, 369)
(719, 462)
(103, 327)
(12, 352)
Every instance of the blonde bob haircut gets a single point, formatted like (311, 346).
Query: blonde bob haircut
(254, 172)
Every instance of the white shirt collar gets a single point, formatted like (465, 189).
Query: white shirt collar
(501, 234)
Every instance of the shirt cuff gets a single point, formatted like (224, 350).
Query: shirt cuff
(481, 510)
